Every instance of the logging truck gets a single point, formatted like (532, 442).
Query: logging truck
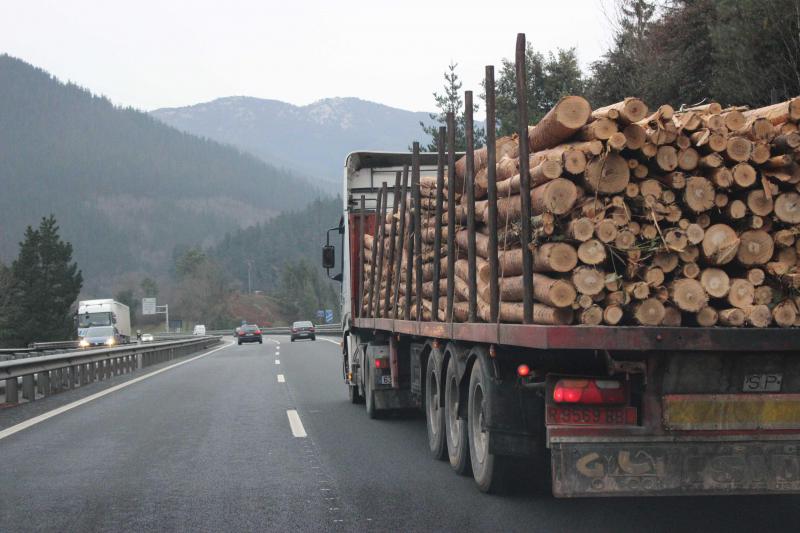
(599, 410)
(607, 299)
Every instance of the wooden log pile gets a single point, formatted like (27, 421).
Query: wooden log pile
(660, 217)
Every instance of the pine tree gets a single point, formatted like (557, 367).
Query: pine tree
(621, 71)
(548, 79)
(452, 101)
(45, 284)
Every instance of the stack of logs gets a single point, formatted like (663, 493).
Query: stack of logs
(684, 217)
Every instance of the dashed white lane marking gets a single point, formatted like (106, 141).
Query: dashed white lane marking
(277, 361)
(297, 426)
(334, 342)
(281, 379)
(64, 408)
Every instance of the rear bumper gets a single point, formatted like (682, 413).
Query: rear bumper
(674, 466)
(250, 339)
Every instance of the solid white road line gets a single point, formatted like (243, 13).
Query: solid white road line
(277, 361)
(294, 421)
(64, 408)
(281, 379)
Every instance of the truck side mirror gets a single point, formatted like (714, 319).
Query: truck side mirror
(328, 256)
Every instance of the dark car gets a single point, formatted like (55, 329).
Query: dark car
(303, 330)
(249, 333)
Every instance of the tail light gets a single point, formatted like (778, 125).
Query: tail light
(589, 391)
(312, 329)
(382, 363)
(258, 332)
(294, 330)
(523, 370)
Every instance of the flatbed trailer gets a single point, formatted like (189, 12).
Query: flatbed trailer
(698, 411)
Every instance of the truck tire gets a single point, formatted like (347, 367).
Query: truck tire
(355, 396)
(455, 428)
(490, 471)
(434, 414)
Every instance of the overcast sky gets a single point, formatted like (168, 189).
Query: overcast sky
(165, 53)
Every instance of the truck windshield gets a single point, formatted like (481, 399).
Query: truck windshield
(100, 332)
(88, 320)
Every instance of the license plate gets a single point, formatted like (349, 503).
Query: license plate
(762, 383)
(386, 380)
(591, 416)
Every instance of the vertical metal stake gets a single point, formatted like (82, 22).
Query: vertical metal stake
(524, 182)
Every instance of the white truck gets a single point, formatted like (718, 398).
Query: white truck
(105, 312)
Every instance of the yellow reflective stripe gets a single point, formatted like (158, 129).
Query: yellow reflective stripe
(732, 411)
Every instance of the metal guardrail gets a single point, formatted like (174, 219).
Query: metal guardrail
(48, 374)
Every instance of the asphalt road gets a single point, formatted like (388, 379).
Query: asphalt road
(209, 446)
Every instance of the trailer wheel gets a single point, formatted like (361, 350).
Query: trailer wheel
(434, 415)
(488, 469)
(456, 429)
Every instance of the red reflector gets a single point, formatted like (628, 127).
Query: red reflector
(523, 371)
(589, 391)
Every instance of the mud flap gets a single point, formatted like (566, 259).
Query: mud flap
(675, 468)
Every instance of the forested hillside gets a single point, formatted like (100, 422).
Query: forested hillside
(287, 238)
(125, 188)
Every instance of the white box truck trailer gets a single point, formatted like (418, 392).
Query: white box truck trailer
(104, 312)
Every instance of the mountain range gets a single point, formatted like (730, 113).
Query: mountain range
(312, 139)
(125, 188)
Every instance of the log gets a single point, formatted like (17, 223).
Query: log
(667, 158)
(738, 149)
(589, 281)
(581, 229)
(504, 147)
(731, 317)
(715, 282)
(608, 174)
(627, 111)
(777, 113)
(591, 316)
(720, 244)
(741, 293)
(513, 312)
(758, 316)
(755, 248)
(688, 295)
(785, 313)
(554, 257)
(763, 295)
(666, 261)
(606, 231)
(707, 317)
(598, 130)
(736, 210)
(787, 208)
(568, 116)
(592, 252)
(756, 276)
(744, 175)
(688, 159)
(635, 136)
(699, 194)
(649, 312)
(722, 178)
(617, 141)
(572, 159)
(557, 197)
(612, 315)
(690, 270)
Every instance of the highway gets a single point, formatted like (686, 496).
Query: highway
(263, 438)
